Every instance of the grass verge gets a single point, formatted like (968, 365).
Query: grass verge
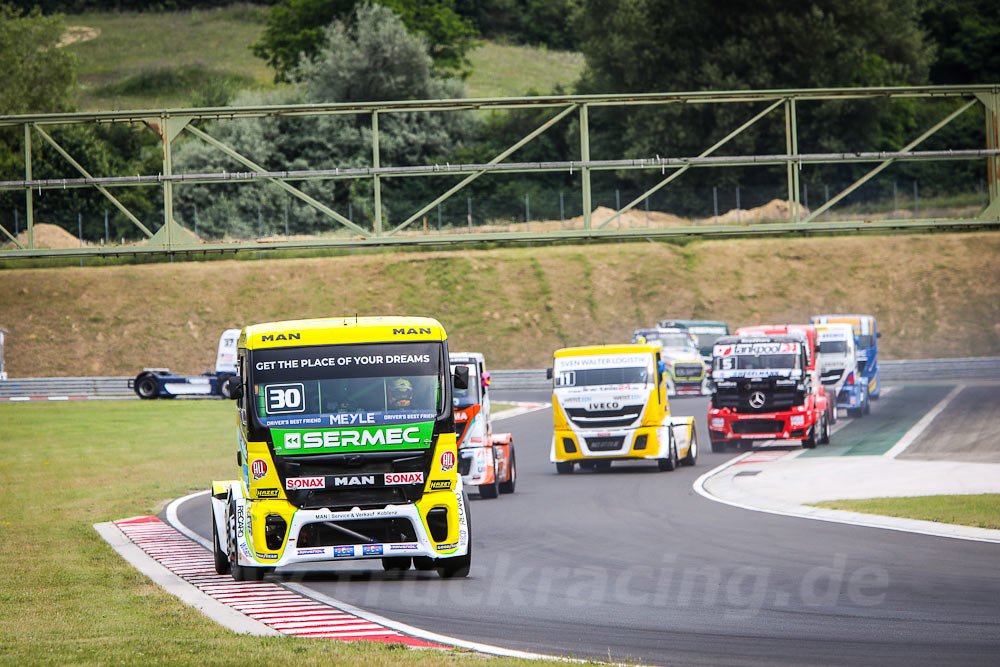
(75, 601)
(980, 510)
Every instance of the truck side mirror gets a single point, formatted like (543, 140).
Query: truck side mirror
(661, 366)
(232, 387)
(878, 334)
(548, 373)
(461, 377)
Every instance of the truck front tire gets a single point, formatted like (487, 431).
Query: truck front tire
(146, 386)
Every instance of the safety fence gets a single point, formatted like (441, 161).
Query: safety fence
(904, 370)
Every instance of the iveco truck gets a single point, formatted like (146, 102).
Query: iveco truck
(346, 449)
(609, 403)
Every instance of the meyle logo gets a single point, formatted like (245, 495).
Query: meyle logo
(404, 478)
(305, 483)
(353, 480)
(412, 330)
(259, 468)
(291, 336)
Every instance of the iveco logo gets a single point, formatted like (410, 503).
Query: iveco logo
(757, 399)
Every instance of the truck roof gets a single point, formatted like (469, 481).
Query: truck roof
(465, 356)
(617, 348)
(335, 330)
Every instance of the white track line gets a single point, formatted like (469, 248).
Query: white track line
(922, 425)
(174, 520)
(850, 518)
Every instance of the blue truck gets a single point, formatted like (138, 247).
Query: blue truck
(865, 383)
(161, 383)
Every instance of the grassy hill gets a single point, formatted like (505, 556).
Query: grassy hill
(135, 60)
(934, 296)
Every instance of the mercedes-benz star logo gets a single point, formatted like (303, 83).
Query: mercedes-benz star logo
(757, 400)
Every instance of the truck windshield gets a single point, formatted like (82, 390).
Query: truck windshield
(757, 361)
(832, 346)
(384, 382)
(866, 341)
(587, 377)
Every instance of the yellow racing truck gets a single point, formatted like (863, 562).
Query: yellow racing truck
(609, 403)
(346, 449)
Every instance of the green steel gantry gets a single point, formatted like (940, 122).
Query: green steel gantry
(170, 123)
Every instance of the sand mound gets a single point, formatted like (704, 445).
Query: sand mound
(78, 33)
(775, 210)
(48, 236)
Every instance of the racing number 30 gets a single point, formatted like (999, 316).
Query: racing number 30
(284, 398)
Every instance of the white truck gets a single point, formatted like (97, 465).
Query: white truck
(161, 383)
(836, 354)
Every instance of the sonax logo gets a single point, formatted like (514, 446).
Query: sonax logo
(294, 483)
(404, 478)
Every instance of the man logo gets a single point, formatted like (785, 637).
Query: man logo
(757, 400)
(293, 440)
(271, 337)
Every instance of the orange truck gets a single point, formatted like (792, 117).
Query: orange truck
(485, 459)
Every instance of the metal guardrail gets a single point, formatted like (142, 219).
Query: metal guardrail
(969, 368)
(89, 387)
(905, 370)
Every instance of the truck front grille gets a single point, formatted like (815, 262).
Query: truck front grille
(620, 418)
(605, 444)
(688, 371)
(737, 398)
(758, 426)
(379, 530)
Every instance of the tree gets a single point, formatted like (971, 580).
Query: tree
(546, 22)
(657, 46)
(295, 32)
(966, 33)
(35, 75)
(371, 57)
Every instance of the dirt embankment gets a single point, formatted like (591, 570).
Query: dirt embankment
(934, 296)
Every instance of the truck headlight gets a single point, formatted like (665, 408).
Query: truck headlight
(798, 420)
(718, 423)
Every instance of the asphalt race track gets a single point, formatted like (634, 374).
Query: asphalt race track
(633, 565)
